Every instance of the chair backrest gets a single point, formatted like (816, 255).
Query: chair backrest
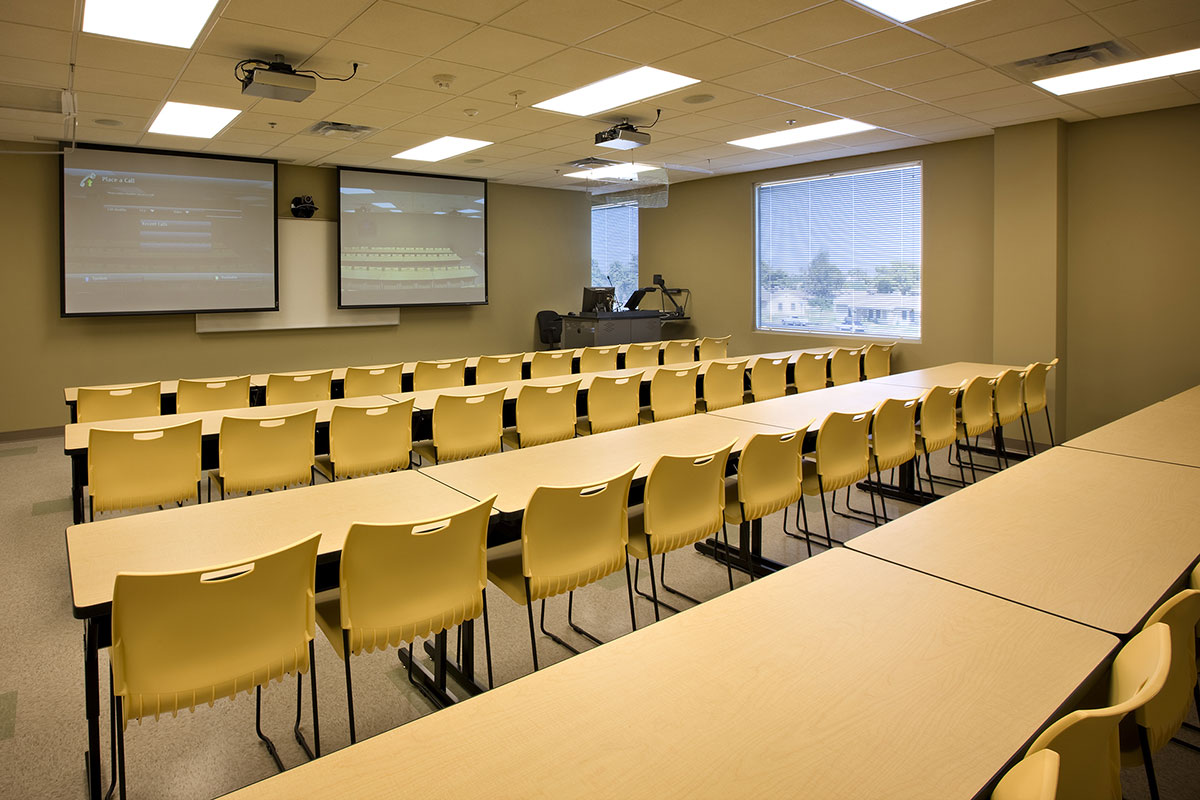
(550, 326)
(642, 354)
(299, 388)
(367, 381)
(411, 579)
(575, 535)
(724, 383)
(679, 351)
(893, 433)
(131, 469)
(267, 453)
(551, 363)
(1086, 740)
(714, 347)
(768, 472)
(843, 450)
(1006, 395)
(845, 365)
(1035, 777)
(212, 394)
(598, 359)
(1034, 389)
(877, 360)
(465, 426)
(685, 498)
(180, 639)
(1164, 714)
(810, 371)
(439, 374)
(613, 403)
(546, 413)
(939, 418)
(365, 440)
(95, 404)
(975, 405)
(499, 369)
(673, 392)
(768, 378)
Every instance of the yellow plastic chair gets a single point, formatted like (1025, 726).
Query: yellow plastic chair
(672, 393)
(96, 404)
(976, 415)
(810, 371)
(464, 426)
(439, 374)
(544, 414)
(612, 403)
(724, 384)
(683, 503)
(571, 536)
(768, 378)
(212, 394)
(1034, 777)
(551, 363)
(1007, 405)
(877, 360)
(845, 365)
(404, 581)
(937, 429)
(303, 387)
(265, 453)
(368, 381)
(768, 479)
(679, 351)
(1033, 394)
(642, 354)
(180, 639)
(499, 369)
(714, 347)
(133, 469)
(1087, 741)
(598, 359)
(841, 459)
(892, 439)
(368, 440)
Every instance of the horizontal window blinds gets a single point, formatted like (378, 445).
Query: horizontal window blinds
(615, 248)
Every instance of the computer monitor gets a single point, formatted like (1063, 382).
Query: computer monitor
(598, 298)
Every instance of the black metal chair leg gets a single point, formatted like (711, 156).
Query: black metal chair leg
(532, 632)
(258, 728)
(728, 561)
(300, 740)
(112, 738)
(487, 640)
(349, 683)
(1148, 760)
(662, 577)
(121, 747)
(879, 483)
(571, 619)
(553, 637)
(1049, 427)
(653, 586)
(629, 587)
(970, 457)
(824, 513)
(637, 578)
(808, 536)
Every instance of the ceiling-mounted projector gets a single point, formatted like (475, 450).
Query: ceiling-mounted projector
(622, 137)
(275, 80)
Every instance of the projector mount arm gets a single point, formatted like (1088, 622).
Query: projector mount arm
(248, 65)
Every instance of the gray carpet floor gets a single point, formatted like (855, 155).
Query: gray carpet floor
(214, 750)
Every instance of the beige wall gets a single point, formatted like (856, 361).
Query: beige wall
(538, 241)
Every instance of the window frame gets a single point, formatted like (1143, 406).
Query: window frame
(618, 302)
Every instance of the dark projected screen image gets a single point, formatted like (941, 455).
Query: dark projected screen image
(151, 233)
(411, 240)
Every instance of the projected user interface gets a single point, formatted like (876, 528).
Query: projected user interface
(411, 240)
(149, 232)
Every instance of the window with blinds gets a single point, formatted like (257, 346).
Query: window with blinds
(841, 254)
(615, 248)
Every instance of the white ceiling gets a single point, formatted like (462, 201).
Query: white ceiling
(763, 62)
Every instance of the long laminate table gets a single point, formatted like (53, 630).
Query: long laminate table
(1168, 431)
(842, 678)
(1092, 537)
(945, 374)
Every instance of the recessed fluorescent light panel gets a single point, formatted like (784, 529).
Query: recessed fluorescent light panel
(905, 10)
(808, 133)
(619, 90)
(177, 23)
(185, 119)
(1118, 74)
(442, 148)
(627, 172)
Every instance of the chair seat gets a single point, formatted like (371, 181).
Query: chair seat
(506, 571)
(639, 544)
(427, 452)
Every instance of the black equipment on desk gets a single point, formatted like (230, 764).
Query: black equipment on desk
(676, 312)
(598, 298)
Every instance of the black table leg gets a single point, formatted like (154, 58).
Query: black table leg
(905, 491)
(91, 682)
(746, 555)
(78, 481)
(433, 684)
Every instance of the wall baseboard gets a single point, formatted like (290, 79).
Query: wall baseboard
(34, 433)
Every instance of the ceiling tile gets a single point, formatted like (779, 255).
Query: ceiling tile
(490, 133)
(246, 136)
(532, 119)
(649, 38)
(496, 49)
(868, 51)
(993, 98)
(397, 139)
(374, 64)
(576, 68)
(311, 110)
(317, 17)
(254, 121)
(779, 75)
(730, 18)
(107, 136)
(752, 108)
(45, 14)
(128, 123)
(1168, 40)
(206, 94)
(424, 33)
(826, 91)
(818, 27)
(1050, 37)
(106, 104)
(900, 118)
(678, 100)
(41, 44)
(29, 72)
(980, 80)
(979, 20)
(437, 126)
(531, 91)
(401, 98)
(358, 114)
(796, 116)
(478, 111)
(868, 104)
(147, 87)
(973, 132)
(720, 58)
(230, 37)
(1132, 93)
(1092, 5)
(546, 140)
(567, 21)
(1045, 108)
(343, 91)
(1191, 82)
(1141, 16)
(727, 133)
(206, 68)
(918, 69)
(126, 56)
(308, 141)
(938, 125)
(229, 148)
(465, 77)
(680, 124)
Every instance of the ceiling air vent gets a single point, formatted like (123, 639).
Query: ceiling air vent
(1074, 59)
(37, 103)
(340, 130)
(591, 162)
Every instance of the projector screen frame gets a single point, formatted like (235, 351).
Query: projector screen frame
(486, 249)
(62, 229)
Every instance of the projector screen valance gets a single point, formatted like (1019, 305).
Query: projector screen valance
(408, 239)
(148, 232)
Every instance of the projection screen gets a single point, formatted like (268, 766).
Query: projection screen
(158, 233)
(407, 239)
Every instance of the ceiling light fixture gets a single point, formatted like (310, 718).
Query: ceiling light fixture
(442, 148)
(619, 90)
(186, 119)
(808, 133)
(905, 10)
(1117, 74)
(625, 172)
(176, 24)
